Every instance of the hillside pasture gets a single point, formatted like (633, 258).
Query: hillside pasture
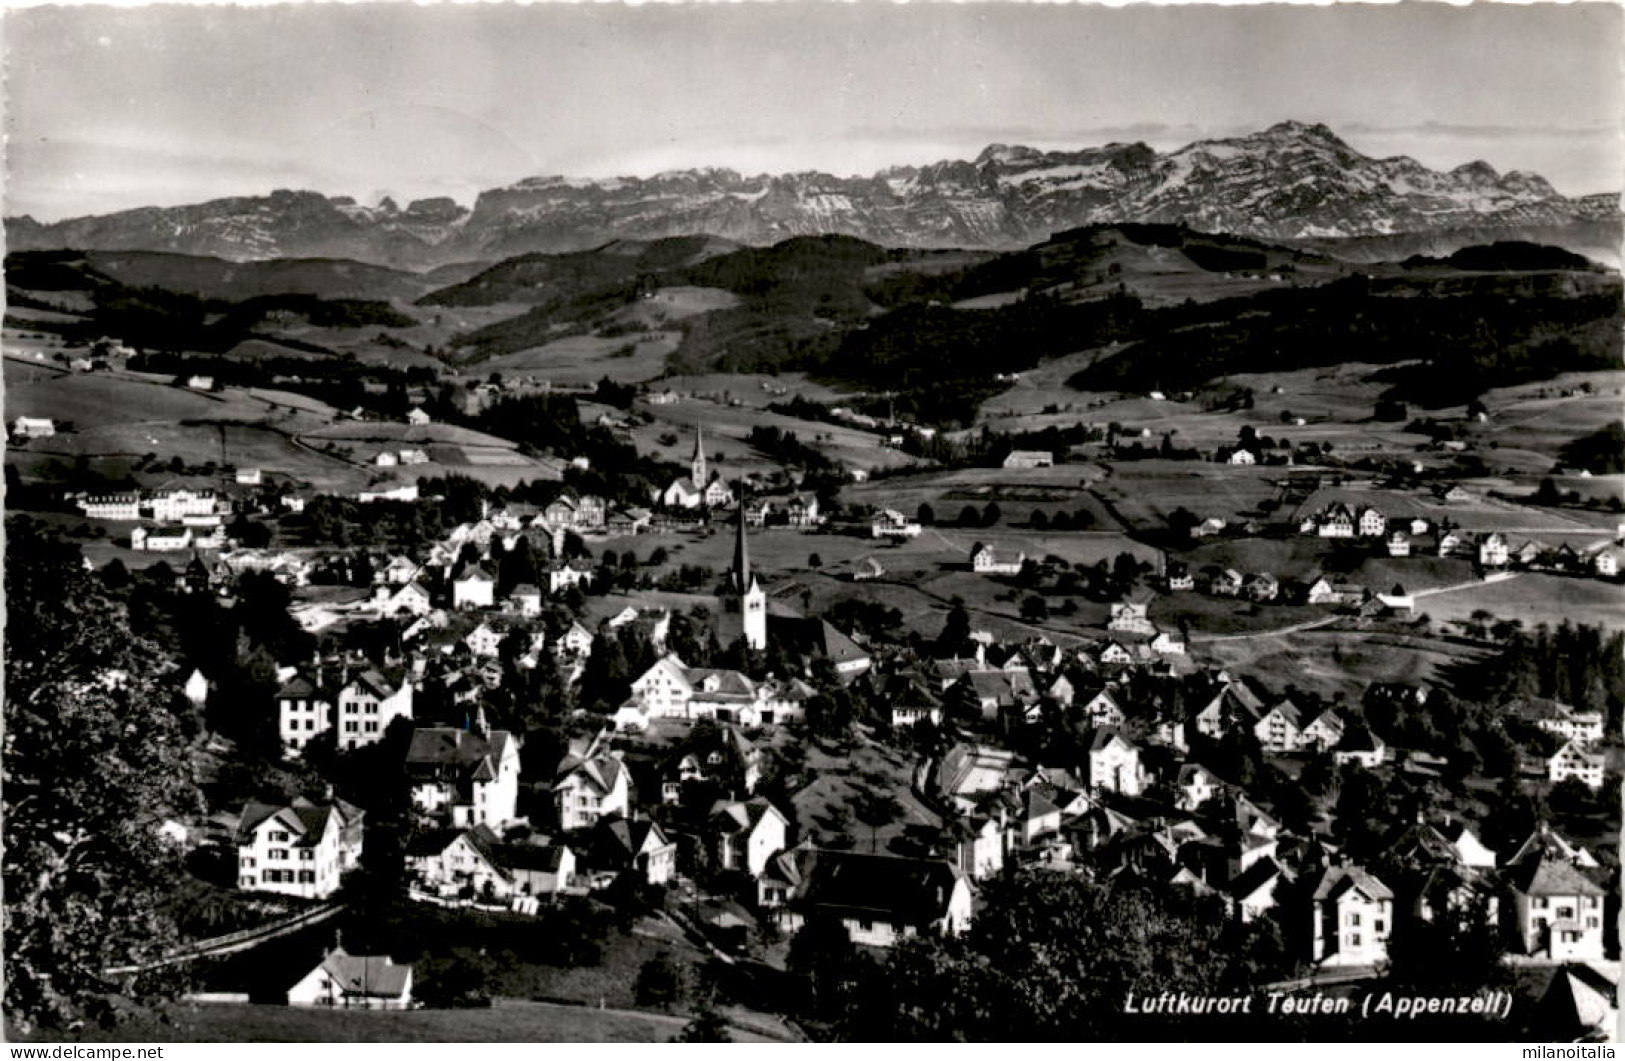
(1019, 492)
(584, 359)
(1144, 493)
(101, 398)
(1533, 599)
(1332, 662)
(756, 390)
(727, 426)
(668, 304)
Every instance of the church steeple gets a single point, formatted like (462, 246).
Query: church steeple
(741, 572)
(696, 464)
(744, 593)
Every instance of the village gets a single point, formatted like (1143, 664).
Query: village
(742, 749)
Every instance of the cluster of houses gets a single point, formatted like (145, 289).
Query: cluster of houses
(1490, 550)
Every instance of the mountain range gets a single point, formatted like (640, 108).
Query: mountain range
(1290, 182)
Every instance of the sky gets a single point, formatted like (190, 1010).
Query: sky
(113, 108)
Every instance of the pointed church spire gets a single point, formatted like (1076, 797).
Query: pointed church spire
(696, 465)
(741, 551)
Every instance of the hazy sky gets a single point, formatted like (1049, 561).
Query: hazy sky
(111, 108)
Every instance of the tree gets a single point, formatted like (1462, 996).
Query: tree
(926, 515)
(659, 983)
(96, 758)
(815, 561)
(970, 517)
(1035, 609)
(823, 957)
(876, 808)
(708, 1026)
(991, 514)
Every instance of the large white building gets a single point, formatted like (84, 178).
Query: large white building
(301, 849)
(470, 777)
(1353, 918)
(367, 704)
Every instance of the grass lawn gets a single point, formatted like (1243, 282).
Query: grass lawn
(1534, 599)
(1336, 661)
(507, 1021)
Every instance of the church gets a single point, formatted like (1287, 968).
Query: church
(746, 614)
(703, 487)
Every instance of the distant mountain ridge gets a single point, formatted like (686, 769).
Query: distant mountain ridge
(1292, 181)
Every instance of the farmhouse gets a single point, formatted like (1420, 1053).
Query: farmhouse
(590, 782)
(1556, 911)
(354, 982)
(33, 427)
(1029, 458)
(1129, 615)
(1573, 761)
(474, 588)
(985, 561)
(889, 523)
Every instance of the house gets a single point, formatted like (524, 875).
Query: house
(1262, 587)
(200, 383)
(526, 599)
(537, 869)
(563, 574)
(802, 511)
(1322, 732)
(1335, 521)
(1450, 542)
(1492, 550)
(985, 561)
(1209, 527)
(1353, 915)
(1574, 761)
(300, 849)
(155, 540)
(248, 476)
(991, 693)
(889, 523)
(367, 704)
(485, 640)
(1372, 523)
(1397, 599)
(575, 642)
(1180, 577)
(1251, 893)
(1399, 544)
(413, 456)
(1360, 745)
(124, 506)
(1196, 784)
(304, 712)
(866, 569)
(459, 863)
(1099, 707)
(399, 571)
(417, 417)
(473, 589)
(1556, 911)
(633, 846)
(878, 899)
(1569, 723)
(1606, 562)
(468, 777)
(403, 492)
(1279, 730)
(1129, 614)
(1029, 458)
(747, 834)
(1226, 583)
(1580, 1004)
(1242, 456)
(1114, 762)
(386, 458)
(590, 783)
(410, 599)
(347, 981)
(33, 427)
(1470, 851)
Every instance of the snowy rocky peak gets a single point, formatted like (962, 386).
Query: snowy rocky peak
(1293, 180)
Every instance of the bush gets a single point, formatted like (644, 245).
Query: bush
(659, 983)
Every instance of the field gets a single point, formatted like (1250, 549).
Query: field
(754, 390)
(1019, 492)
(726, 427)
(507, 1021)
(1329, 662)
(589, 358)
(1534, 599)
(1144, 493)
